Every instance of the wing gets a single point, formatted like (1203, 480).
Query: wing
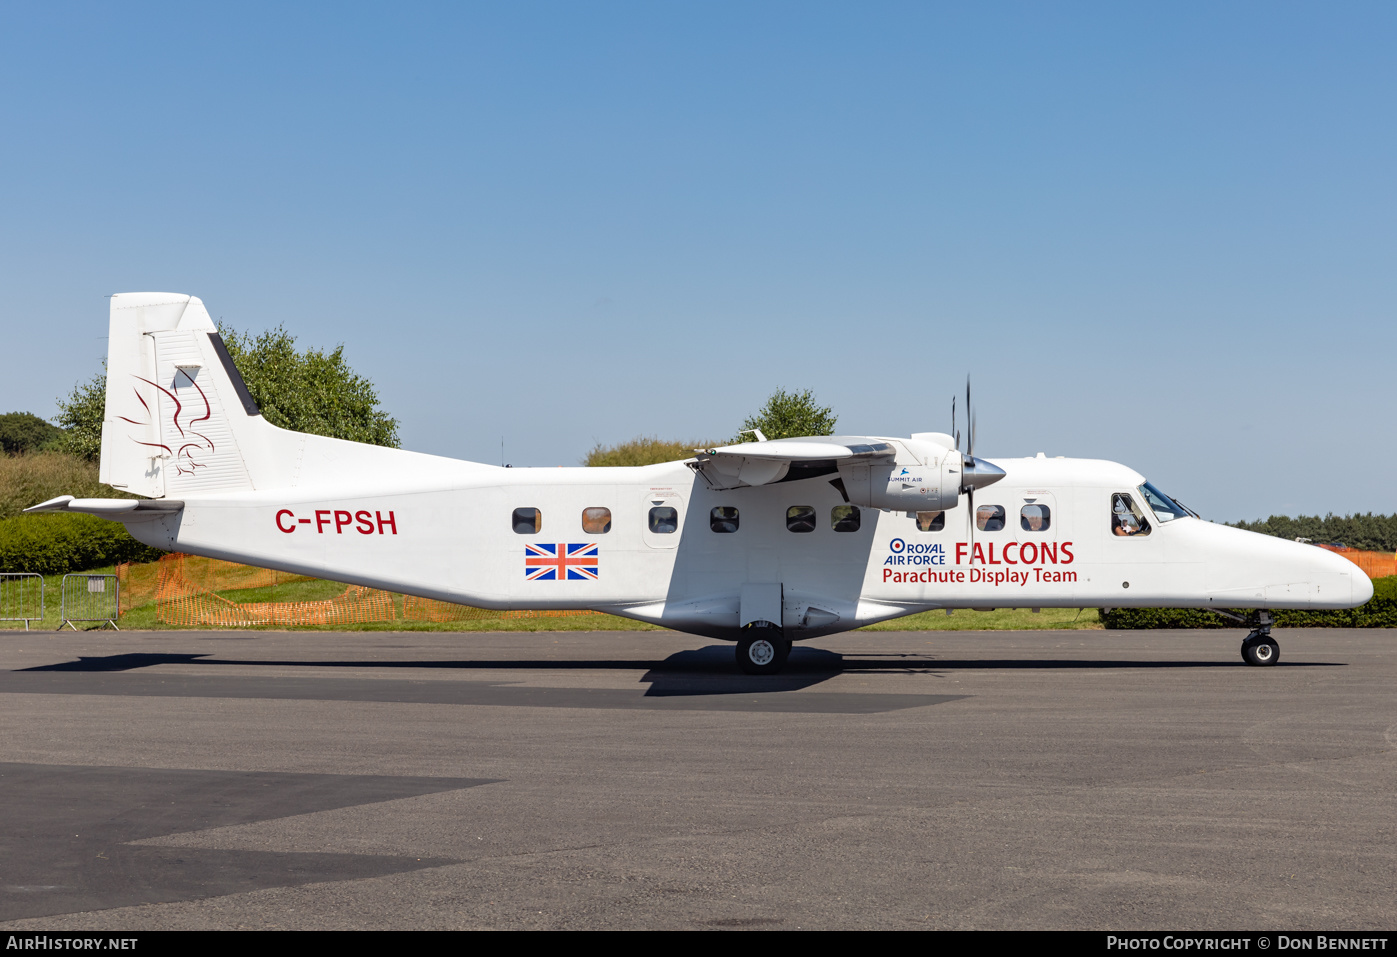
(776, 460)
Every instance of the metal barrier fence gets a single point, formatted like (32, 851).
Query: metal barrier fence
(21, 597)
(90, 598)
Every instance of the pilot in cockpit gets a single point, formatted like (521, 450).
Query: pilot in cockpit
(1123, 520)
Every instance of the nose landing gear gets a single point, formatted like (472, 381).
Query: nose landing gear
(1259, 648)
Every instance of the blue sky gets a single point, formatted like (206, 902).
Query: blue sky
(1163, 235)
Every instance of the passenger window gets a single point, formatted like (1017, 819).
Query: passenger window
(800, 518)
(1126, 518)
(845, 518)
(664, 520)
(528, 521)
(723, 519)
(931, 521)
(596, 521)
(989, 518)
(1035, 518)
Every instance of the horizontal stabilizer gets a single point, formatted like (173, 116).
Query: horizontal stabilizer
(117, 509)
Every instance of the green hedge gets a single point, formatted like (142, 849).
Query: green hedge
(56, 544)
(1379, 612)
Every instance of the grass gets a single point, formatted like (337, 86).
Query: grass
(1001, 619)
(27, 480)
(143, 618)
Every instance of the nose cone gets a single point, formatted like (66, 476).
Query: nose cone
(1362, 587)
(1250, 570)
(1340, 583)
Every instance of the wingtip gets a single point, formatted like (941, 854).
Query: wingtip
(59, 504)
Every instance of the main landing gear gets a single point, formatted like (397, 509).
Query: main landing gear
(1259, 648)
(762, 651)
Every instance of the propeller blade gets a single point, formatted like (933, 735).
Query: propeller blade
(953, 423)
(970, 513)
(969, 421)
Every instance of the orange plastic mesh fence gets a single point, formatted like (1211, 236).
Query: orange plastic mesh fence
(139, 584)
(354, 606)
(429, 609)
(1374, 564)
(188, 590)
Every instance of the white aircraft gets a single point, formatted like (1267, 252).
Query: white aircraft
(762, 543)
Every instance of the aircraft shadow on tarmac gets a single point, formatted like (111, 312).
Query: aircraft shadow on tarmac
(701, 671)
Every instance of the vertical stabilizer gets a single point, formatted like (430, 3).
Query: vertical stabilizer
(180, 422)
(174, 401)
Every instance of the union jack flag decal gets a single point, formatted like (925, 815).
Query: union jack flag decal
(555, 563)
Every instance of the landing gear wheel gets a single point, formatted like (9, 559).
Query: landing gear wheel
(1261, 650)
(763, 653)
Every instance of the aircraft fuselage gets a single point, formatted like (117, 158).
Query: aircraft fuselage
(459, 543)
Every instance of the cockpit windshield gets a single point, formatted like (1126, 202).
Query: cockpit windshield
(1164, 507)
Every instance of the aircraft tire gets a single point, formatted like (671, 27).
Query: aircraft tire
(763, 653)
(1261, 651)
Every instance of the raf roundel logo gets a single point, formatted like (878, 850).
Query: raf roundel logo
(897, 545)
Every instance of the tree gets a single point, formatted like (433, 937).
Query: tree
(1361, 530)
(785, 414)
(310, 391)
(26, 432)
(641, 451)
(789, 414)
(80, 415)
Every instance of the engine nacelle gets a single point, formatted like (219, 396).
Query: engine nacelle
(927, 478)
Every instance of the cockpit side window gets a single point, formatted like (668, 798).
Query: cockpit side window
(1126, 518)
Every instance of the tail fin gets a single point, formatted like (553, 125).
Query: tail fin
(178, 414)
(181, 423)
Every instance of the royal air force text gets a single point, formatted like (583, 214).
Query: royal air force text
(1018, 563)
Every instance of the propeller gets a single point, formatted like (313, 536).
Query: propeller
(974, 472)
(968, 465)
